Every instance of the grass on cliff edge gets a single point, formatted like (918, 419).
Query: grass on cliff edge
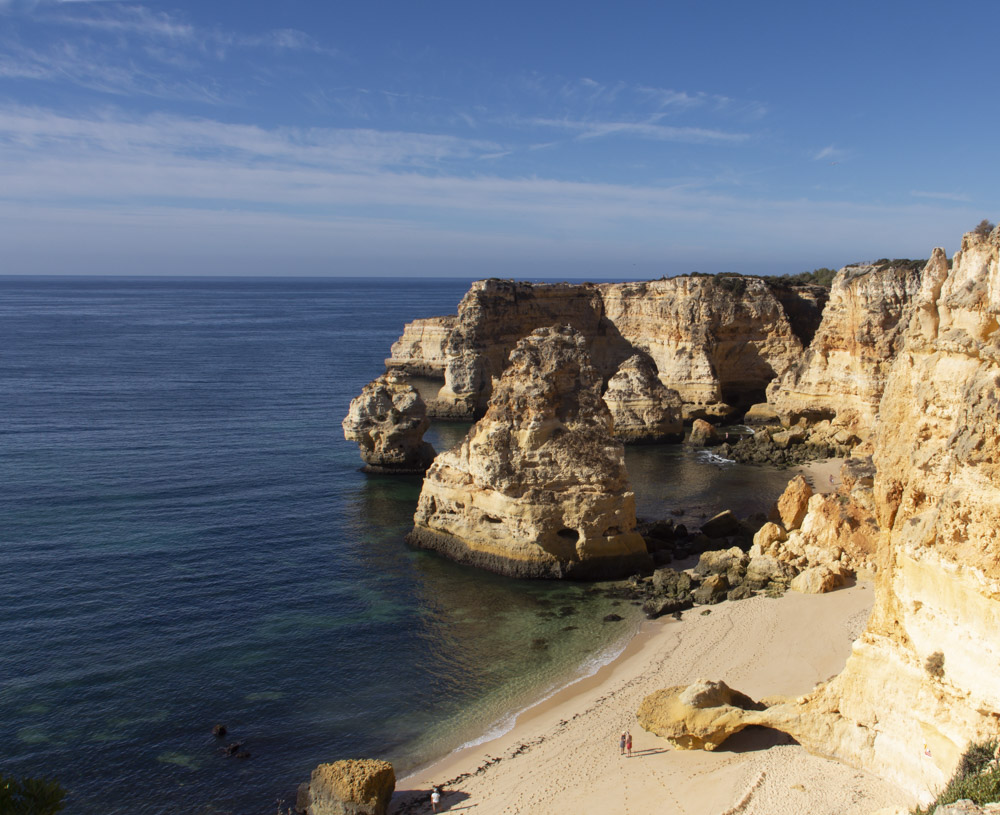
(977, 778)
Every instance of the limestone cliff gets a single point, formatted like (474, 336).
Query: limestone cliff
(924, 678)
(495, 314)
(388, 421)
(842, 374)
(642, 408)
(718, 341)
(423, 348)
(538, 488)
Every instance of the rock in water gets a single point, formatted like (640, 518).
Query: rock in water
(538, 488)
(350, 787)
(642, 407)
(388, 421)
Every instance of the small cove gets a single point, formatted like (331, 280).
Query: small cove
(190, 541)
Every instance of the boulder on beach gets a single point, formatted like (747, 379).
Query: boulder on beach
(348, 787)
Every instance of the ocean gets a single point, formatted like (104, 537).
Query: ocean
(186, 539)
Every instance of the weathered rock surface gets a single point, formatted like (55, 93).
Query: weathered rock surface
(388, 421)
(703, 434)
(718, 341)
(923, 680)
(698, 717)
(423, 348)
(349, 787)
(642, 407)
(538, 488)
(842, 374)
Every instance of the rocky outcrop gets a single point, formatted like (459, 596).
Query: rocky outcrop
(842, 374)
(388, 421)
(349, 787)
(718, 341)
(923, 680)
(538, 488)
(642, 408)
(495, 314)
(423, 348)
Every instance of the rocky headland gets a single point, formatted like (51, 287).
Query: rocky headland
(717, 341)
(538, 488)
(922, 680)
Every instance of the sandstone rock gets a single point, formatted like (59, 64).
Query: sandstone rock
(721, 561)
(712, 590)
(671, 582)
(763, 569)
(923, 680)
(769, 534)
(842, 374)
(538, 488)
(761, 413)
(794, 502)
(423, 348)
(643, 409)
(349, 787)
(388, 421)
(718, 341)
(697, 717)
(741, 592)
(703, 433)
(818, 580)
(722, 525)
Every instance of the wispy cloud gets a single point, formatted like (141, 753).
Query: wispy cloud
(830, 153)
(646, 130)
(941, 196)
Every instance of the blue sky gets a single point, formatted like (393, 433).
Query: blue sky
(514, 139)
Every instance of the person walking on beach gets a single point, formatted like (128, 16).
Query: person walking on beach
(435, 798)
(621, 744)
(628, 743)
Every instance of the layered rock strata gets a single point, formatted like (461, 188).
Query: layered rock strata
(538, 488)
(923, 680)
(718, 341)
(423, 348)
(388, 421)
(642, 408)
(842, 374)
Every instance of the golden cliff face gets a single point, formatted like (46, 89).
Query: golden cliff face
(927, 669)
(842, 374)
(538, 488)
(923, 680)
(718, 341)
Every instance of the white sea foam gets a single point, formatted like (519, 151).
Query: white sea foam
(590, 667)
(708, 457)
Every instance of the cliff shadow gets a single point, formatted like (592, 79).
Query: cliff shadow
(755, 738)
(416, 801)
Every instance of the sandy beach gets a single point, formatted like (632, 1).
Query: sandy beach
(562, 756)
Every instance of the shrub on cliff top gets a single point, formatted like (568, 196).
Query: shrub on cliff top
(984, 227)
(977, 778)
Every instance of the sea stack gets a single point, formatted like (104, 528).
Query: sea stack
(388, 421)
(643, 408)
(538, 488)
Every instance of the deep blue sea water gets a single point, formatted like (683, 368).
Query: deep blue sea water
(186, 539)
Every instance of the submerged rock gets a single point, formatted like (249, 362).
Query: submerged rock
(388, 421)
(538, 488)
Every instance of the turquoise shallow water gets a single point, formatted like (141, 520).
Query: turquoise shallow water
(187, 539)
